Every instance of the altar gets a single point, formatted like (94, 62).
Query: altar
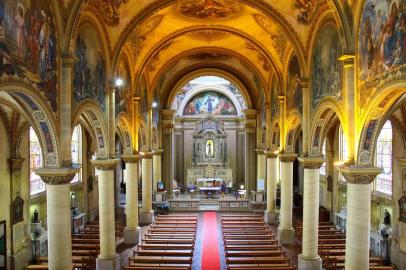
(209, 158)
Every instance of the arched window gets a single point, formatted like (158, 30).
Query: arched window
(342, 146)
(36, 183)
(77, 151)
(323, 152)
(383, 159)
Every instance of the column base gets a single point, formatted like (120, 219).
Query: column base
(271, 218)
(146, 218)
(132, 236)
(108, 264)
(286, 236)
(309, 264)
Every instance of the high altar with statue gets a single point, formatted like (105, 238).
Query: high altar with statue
(209, 166)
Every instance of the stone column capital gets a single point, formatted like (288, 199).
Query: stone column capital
(130, 158)
(359, 175)
(311, 162)
(157, 152)
(146, 155)
(287, 157)
(136, 99)
(260, 151)
(271, 154)
(16, 163)
(105, 164)
(57, 176)
(68, 60)
(304, 83)
(348, 59)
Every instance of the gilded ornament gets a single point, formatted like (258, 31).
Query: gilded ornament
(208, 35)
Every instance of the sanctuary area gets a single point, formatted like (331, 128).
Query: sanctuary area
(203, 134)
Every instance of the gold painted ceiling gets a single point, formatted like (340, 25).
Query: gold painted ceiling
(161, 36)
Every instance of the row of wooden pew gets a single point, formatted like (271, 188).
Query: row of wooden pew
(250, 244)
(168, 244)
(85, 248)
(331, 245)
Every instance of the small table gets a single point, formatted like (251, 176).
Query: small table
(209, 191)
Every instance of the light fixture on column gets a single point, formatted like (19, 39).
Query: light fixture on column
(154, 104)
(119, 82)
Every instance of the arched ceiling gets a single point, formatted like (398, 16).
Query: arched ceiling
(249, 39)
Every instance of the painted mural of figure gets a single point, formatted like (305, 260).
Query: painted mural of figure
(209, 102)
(45, 45)
(20, 25)
(33, 43)
(100, 77)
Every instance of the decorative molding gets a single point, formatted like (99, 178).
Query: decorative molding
(311, 162)
(131, 158)
(359, 175)
(105, 164)
(287, 157)
(57, 176)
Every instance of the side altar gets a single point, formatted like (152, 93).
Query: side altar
(209, 162)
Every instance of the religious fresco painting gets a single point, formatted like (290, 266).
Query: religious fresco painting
(274, 100)
(382, 44)
(294, 90)
(326, 69)
(155, 118)
(89, 70)
(28, 46)
(382, 40)
(208, 9)
(123, 92)
(211, 103)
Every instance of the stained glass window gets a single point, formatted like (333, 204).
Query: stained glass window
(76, 148)
(36, 183)
(323, 152)
(383, 159)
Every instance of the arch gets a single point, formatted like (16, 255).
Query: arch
(382, 106)
(209, 72)
(123, 129)
(293, 127)
(38, 114)
(91, 113)
(326, 111)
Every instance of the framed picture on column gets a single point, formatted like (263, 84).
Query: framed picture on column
(3, 246)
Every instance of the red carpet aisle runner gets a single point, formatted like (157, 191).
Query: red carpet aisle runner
(210, 244)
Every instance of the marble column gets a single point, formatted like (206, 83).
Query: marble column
(59, 218)
(168, 148)
(271, 216)
(147, 214)
(304, 84)
(352, 130)
(157, 168)
(108, 258)
(261, 164)
(132, 230)
(358, 225)
(250, 129)
(310, 259)
(65, 109)
(286, 232)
